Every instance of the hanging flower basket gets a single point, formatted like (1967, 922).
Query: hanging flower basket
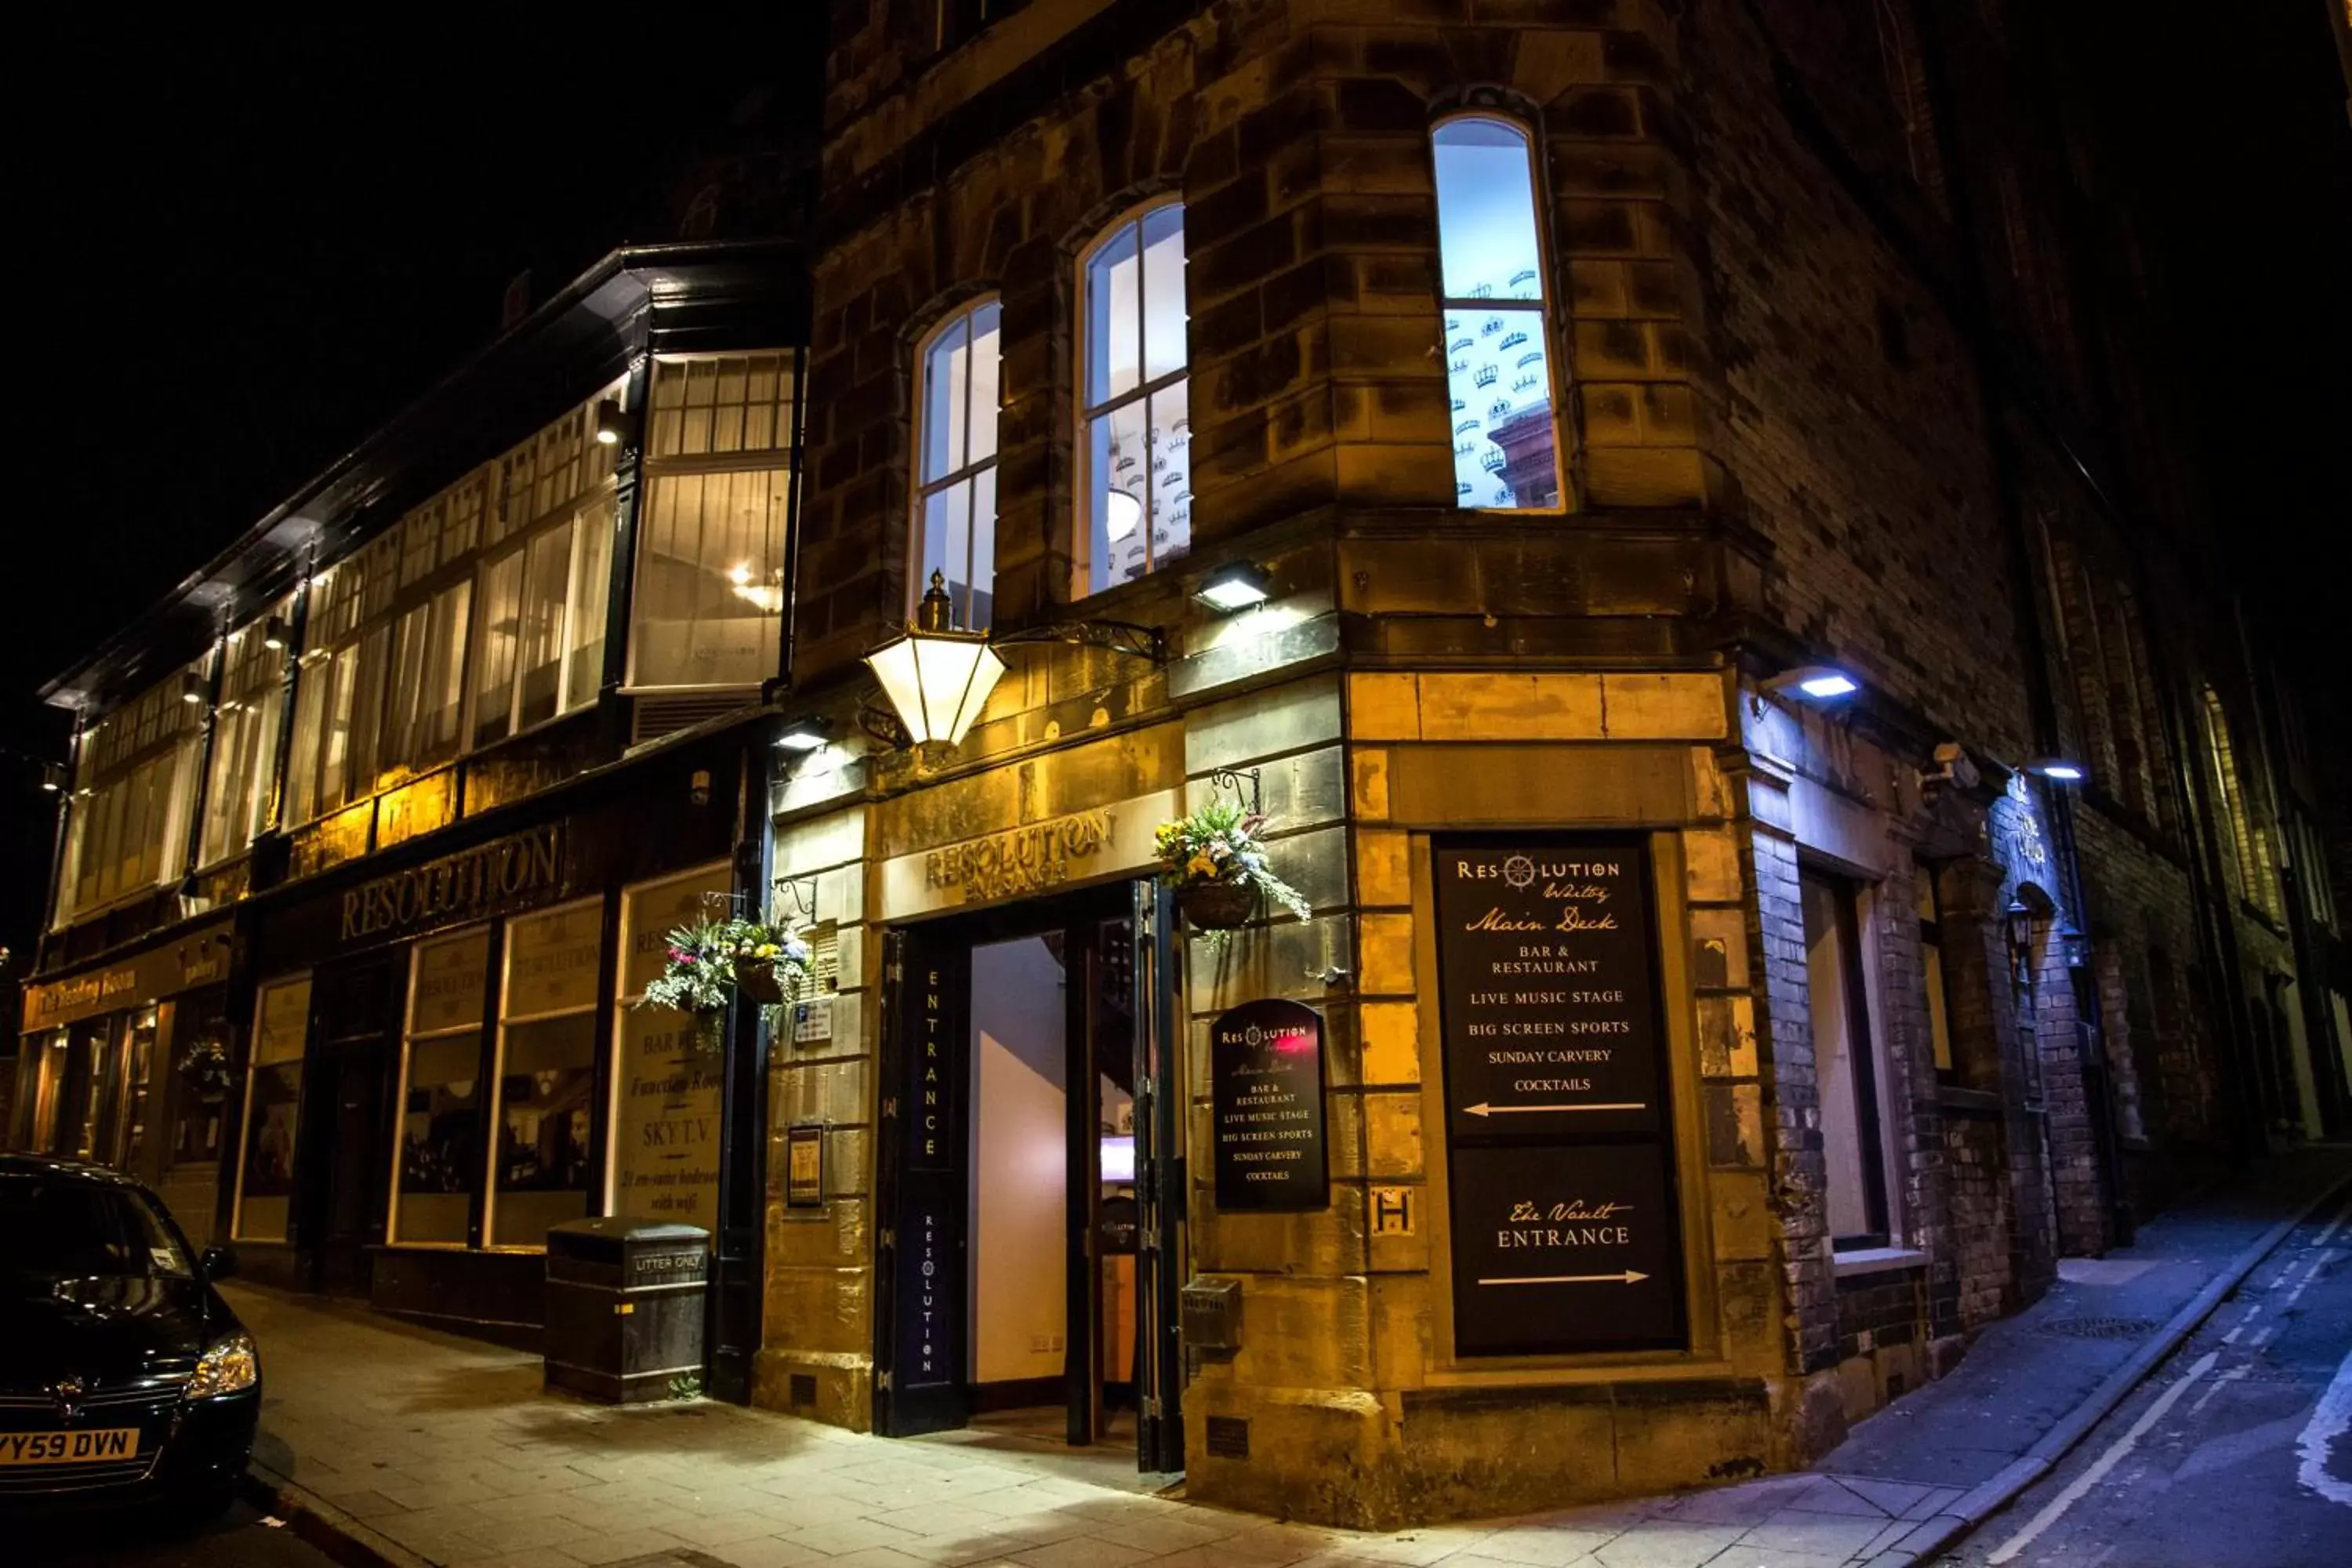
(757, 979)
(1217, 906)
(1219, 867)
(205, 1069)
(713, 962)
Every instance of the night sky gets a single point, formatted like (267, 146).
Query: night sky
(237, 253)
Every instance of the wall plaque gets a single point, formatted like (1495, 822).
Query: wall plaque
(1266, 1089)
(804, 1166)
(1567, 1231)
(1548, 986)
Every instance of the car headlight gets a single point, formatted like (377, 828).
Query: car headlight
(230, 1365)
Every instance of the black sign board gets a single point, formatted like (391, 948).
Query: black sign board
(1567, 1235)
(805, 1166)
(1265, 1064)
(1561, 1246)
(1548, 986)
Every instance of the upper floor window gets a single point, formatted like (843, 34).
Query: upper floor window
(2249, 843)
(1497, 342)
(955, 445)
(710, 556)
(241, 796)
(1136, 414)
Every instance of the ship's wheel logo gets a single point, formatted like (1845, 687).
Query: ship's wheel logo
(1518, 871)
(1253, 1036)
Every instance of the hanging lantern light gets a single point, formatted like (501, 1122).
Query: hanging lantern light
(938, 678)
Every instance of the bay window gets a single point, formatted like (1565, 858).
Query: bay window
(955, 443)
(1136, 431)
(1498, 335)
(709, 570)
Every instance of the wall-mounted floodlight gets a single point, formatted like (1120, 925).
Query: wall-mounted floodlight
(191, 686)
(2058, 770)
(276, 634)
(611, 423)
(1814, 682)
(805, 735)
(1237, 585)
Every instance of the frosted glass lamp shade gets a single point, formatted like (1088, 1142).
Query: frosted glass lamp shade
(937, 681)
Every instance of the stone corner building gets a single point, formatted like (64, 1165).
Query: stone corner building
(1574, 372)
(1793, 837)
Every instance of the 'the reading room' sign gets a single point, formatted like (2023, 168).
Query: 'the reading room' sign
(1566, 1233)
(1266, 1087)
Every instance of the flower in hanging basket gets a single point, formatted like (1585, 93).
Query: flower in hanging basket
(205, 1068)
(1219, 867)
(711, 961)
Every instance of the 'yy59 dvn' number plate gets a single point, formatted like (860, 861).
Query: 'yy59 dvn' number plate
(94, 1446)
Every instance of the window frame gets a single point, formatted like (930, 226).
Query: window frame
(1936, 999)
(923, 489)
(1854, 909)
(1545, 306)
(490, 935)
(494, 1080)
(244, 1131)
(1143, 391)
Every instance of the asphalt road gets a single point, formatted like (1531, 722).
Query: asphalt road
(238, 1539)
(2236, 1453)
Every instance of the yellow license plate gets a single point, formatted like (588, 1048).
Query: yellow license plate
(94, 1445)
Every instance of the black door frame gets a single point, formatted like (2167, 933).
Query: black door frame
(923, 1165)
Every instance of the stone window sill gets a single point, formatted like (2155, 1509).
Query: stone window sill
(1878, 1261)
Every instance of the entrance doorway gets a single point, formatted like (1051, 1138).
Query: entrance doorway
(1033, 1124)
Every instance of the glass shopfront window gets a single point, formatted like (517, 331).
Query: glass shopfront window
(664, 1112)
(273, 1103)
(543, 1081)
(433, 1175)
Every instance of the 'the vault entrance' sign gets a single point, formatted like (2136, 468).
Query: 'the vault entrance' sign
(1566, 1233)
(1266, 1063)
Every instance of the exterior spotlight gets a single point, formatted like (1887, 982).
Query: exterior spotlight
(805, 735)
(611, 422)
(53, 777)
(1235, 587)
(191, 686)
(2058, 770)
(936, 678)
(1814, 682)
(276, 634)
(1123, 514)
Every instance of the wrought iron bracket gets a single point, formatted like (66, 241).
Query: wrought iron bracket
(1113, 636)
(796, 901)
(883, 725)
(1233, 779)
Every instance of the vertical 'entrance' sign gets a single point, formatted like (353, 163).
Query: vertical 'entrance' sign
(1566, 1233)
(1266, 1063)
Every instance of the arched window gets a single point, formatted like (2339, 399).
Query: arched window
(1136, 433)
(1498, 340)
(955, 448)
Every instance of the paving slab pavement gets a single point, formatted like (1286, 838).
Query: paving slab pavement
(421, 1448)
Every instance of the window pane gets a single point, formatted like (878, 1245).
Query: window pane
(592, 581)
(1487, 212)
(986, 388)
(1171, 472)
(1163, 291)
(978, 603)
(502, 627)
(373, 657)
(947, 544)
(1849, 1147)
(441, 678)
(1116, 458)
(543, 1159)
(1501, 390)
(439, 1124)
(407, 687)
(1112, 357)
(333, 770)
(1939, 1021)
(274, 1094)
(945, 371)
(547, 572)
(710, 579)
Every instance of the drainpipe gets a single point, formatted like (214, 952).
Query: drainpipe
(621, 580)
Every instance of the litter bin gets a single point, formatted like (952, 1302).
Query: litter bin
(625, 1307)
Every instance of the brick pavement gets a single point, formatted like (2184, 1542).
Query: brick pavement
(447, 1448)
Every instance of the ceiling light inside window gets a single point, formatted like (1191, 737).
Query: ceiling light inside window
(1124, 514)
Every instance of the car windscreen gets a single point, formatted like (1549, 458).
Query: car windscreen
(62, 1227)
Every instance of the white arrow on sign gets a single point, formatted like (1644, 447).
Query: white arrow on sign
(1483, 1109)
(1629, 1276)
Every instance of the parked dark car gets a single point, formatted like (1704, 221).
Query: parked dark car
(124, 1378)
